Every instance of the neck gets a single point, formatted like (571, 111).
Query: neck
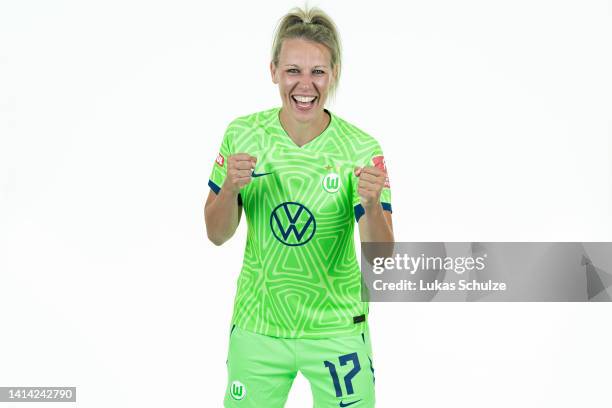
(303, 132)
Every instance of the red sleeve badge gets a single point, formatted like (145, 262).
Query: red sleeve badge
(220, 159)
(379, 162)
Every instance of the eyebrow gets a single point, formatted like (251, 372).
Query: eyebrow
(316, 66)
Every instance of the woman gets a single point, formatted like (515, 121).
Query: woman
(302, 175)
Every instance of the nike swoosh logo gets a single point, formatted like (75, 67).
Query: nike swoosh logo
(342, 404)
(259, 174)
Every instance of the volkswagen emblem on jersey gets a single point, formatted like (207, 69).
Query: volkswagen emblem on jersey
(292, 223)
(331, 182)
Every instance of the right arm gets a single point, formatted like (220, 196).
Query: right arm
(221, 211)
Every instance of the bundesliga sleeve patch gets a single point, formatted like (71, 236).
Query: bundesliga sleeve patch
(379, 162)
(220, 159)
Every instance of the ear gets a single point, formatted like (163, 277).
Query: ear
(273, 72)
(335, 74)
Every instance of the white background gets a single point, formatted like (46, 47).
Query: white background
(495, 121)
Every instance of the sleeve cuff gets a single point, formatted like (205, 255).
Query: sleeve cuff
(214, 187)
(359, 210)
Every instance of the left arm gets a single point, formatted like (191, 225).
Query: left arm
(375, 225)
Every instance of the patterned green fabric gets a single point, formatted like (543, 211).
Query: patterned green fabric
(261, 370)
(300, 276)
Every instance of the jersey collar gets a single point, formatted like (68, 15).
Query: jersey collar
(282, 133)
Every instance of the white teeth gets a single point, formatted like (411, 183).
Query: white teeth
(304, 98)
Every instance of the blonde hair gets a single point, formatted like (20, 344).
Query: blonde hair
(311, 24)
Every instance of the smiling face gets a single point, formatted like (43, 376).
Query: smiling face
(304, 77)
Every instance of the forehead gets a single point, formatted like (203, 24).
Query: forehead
(304, 53)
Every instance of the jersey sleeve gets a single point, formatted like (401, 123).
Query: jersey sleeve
(375, 158)
(219, 168)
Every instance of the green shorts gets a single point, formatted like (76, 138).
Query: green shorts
(261, 370)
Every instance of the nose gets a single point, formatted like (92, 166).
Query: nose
(304, 89)
(305, 85)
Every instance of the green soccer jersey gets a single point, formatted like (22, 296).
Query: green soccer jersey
(300, 276)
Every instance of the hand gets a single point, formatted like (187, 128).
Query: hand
(371, 183)
(239, 169)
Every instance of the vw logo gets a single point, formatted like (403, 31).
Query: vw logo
(292, 223)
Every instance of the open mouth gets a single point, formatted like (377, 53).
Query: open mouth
(303, 102)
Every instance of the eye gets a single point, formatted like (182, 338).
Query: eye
(293, 70)
(319, 71)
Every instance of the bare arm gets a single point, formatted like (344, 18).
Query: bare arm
(376, 225)
(222, 212)
(222, 215)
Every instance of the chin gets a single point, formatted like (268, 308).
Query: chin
(302, 116)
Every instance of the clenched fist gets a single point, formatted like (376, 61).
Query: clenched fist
(239, 169)
(371, 183)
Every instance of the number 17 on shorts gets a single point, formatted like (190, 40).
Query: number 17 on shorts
(261, 370)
